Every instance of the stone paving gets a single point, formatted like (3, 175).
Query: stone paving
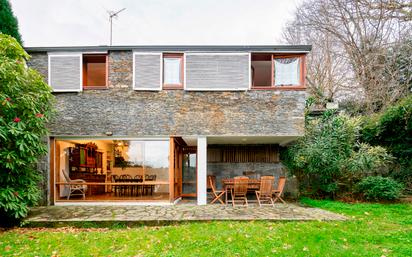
(176, 213)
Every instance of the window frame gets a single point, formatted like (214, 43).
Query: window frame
(302, 68)
(84, 72)
(182, 70)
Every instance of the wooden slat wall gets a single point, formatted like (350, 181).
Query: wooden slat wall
(243, 153)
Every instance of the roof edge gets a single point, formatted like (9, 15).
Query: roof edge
(183, 48)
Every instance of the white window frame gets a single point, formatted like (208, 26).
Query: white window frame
(218, 89)
(161, 71)
(50, 55)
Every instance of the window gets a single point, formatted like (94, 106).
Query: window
(271, 71)
(286, 71)
(173, 71)
(94, 71)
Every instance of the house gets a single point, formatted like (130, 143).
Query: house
(163, 118)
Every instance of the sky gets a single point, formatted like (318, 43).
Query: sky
(153, 22)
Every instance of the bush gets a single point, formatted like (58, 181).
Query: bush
(377, 188)
(328, 160)
(25, 107)
(392, 129)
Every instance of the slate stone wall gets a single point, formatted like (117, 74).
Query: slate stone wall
(126, 112)
(135, 113)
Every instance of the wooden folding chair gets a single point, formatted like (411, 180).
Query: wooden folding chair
(239, 190)
(216, 194)
(264, 194)
(277, 193)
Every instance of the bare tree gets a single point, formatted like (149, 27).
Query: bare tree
(357, 41)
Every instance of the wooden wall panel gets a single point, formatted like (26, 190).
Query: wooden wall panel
(243, 153)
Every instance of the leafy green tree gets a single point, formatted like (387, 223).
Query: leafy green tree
(8, 22)
(25, 107)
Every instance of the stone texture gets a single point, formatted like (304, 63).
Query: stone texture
(180, 212)
(120, 69)
(40, 62)
(135, 113)
(126, 112)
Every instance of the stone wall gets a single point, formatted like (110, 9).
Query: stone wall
(40, 62)
(135, 113)
(120, 69)
(126, 112)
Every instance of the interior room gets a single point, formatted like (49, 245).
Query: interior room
(100, 170)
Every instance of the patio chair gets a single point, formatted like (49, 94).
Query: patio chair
(264, 194)
(239, 190)
(277, 193)
(216, 194)
(75, 189)
(146, 188)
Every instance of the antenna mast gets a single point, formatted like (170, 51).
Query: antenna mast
(113, 14)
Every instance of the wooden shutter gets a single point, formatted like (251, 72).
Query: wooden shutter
(217, 71)
(147, 74)
(65, 72)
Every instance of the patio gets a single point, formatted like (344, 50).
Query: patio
(145, 214)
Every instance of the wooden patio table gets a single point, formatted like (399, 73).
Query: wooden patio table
(228, 183)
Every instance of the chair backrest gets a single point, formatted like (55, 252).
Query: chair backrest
(66, 176)
(211, 183)
(266, 185)
(138, 177)
(240, 185)
(211, 180)
(150, 177)
(281, 184)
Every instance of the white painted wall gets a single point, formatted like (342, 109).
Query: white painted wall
(201, 170)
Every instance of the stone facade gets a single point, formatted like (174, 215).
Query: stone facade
(40, 62)
(129, 113)
(120, 69)
(176, 112)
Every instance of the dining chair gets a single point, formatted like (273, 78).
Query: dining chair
(264, 194)
(75, 189)
(216, 194)
(239, 190)
(277, 193)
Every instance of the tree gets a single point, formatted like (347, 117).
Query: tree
(25, 107)
(8, 22)
(359, 37)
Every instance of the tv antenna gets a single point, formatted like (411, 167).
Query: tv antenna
(113, 14)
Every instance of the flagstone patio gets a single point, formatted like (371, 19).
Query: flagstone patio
(177, 213)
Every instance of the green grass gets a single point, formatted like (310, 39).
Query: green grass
(373, 230)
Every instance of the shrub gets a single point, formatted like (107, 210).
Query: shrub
(328, 160)
(377, 188)
(392, 129)
(25, 107)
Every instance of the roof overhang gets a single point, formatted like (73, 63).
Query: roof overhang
(179, 48)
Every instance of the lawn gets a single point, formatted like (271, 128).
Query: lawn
(373, 230)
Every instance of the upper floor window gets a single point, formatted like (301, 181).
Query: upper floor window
(277, 71)
(173, 71)
(95, 71)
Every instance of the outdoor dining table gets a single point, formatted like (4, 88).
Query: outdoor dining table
(228, 183)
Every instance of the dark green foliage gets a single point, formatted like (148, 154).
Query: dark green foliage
(379, 188)
(393, 130)
(25, 107)
(328, 160)
(8, 22)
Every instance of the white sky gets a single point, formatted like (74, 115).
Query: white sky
(158, 22)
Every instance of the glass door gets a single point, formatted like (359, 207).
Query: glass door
(189, 172)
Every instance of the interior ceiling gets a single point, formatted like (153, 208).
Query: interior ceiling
(227, 140)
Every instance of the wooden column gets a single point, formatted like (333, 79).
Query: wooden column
(171, 169)
(52, 170)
